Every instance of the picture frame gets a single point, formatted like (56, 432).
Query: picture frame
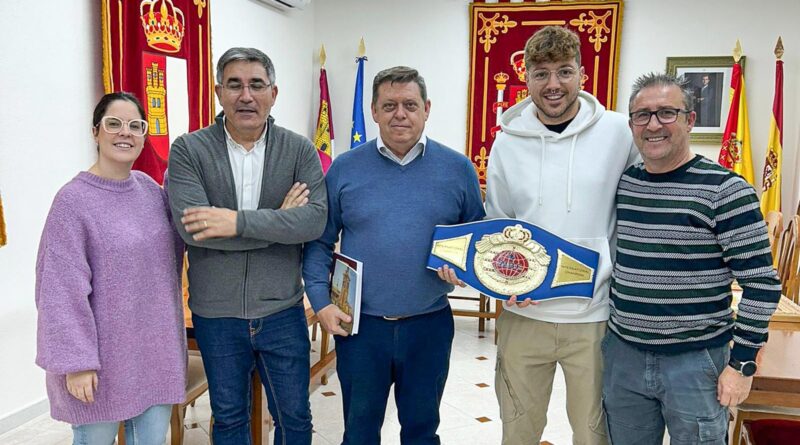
(710, 78)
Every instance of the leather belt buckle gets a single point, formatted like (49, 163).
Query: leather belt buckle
(392, 318)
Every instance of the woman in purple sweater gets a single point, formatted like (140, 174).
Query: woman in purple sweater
(108, 292)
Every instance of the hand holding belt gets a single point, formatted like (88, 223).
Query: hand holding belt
(504, 257)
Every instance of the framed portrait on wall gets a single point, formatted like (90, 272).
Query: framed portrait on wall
(710, 80)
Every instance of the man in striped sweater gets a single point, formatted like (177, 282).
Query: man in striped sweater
(686, 229)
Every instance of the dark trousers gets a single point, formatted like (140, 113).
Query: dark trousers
(278, 347)
(644, 392)
(411, 353)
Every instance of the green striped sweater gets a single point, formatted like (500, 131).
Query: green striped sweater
(683, 237)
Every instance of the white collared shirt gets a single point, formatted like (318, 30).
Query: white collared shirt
(248, 169)
(417, 150)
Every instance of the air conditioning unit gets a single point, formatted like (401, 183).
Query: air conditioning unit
(286, 5)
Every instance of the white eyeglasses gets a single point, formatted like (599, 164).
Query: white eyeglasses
(114, 125)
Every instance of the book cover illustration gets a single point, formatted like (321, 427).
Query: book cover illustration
(346, 289)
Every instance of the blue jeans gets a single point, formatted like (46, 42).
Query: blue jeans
(644, 391)
(278, 347)
(411, 353)
(148, 428)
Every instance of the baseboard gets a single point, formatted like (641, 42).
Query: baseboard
(24, 415)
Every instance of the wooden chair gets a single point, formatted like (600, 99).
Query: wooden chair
(788, 253)
(196, 386)
(774, 220)
(752, 415)
(791, 289)
(326, 354)
(770, 431)
(484, 312)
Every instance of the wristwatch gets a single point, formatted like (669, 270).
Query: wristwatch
(747, 369)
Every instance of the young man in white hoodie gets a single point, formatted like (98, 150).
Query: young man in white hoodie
(556, 164)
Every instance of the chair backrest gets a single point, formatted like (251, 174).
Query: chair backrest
(774, 220)
(789, 254)
(791, 289)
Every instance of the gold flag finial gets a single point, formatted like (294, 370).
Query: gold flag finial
(737, 51)
(779, 48)
(362, 50)
(322, 56)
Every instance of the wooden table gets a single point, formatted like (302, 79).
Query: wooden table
(776, 385)
(786, 317)
(777, 382)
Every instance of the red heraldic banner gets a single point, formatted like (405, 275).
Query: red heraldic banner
(498, 32)
(138, 37)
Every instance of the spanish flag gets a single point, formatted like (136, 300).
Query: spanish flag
(735, 154)
(771, 182)
(323, 137)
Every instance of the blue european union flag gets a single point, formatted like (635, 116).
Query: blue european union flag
(358, 134)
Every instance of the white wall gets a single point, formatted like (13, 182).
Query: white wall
(51, 81)
(50, 84)
(429, 35)
(286, 37)
(654, 30)
(433, 36)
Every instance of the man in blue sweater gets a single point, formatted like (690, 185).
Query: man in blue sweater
(385, 197)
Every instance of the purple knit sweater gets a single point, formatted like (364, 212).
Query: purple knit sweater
(109, 298)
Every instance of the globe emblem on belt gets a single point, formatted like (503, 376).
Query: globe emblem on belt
(511, 262)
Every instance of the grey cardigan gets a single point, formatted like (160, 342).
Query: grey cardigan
(257, 272)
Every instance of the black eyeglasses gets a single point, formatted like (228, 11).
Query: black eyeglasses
(663, 115)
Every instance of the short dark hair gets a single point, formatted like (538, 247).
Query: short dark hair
(245, 55)
(552, 44)
(105, 101)
(663, 80)
(398, 74)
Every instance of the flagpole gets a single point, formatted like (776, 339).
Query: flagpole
(773, 164)
(358, 133)
(323, 136)
(735, 153)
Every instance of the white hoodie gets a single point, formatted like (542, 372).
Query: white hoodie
(566, 184)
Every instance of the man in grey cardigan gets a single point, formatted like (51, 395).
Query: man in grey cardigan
(245, 194)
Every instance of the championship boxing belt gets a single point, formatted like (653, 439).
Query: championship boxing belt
(504, 257)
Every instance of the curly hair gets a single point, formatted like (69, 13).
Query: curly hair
(552, 44)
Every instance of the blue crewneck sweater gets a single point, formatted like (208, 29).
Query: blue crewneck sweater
(386, 214)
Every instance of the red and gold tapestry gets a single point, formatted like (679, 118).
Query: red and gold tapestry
(498, 32)
(141, 38)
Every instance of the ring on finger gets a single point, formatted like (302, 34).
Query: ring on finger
(205, 223)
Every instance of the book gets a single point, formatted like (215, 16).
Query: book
(346, 288)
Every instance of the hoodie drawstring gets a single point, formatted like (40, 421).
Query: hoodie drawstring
(569, 173)
(541, 168)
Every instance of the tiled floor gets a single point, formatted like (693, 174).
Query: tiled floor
(469, 410)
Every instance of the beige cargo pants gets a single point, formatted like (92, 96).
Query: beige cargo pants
(527, 353)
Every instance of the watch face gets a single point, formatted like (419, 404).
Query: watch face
(749, 368)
